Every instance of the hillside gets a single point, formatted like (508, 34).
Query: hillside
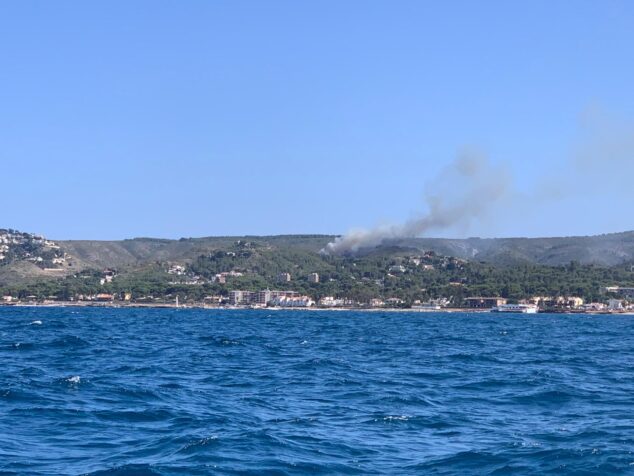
(605, 250)
(24, 257)
(408, 270)
(139, 251)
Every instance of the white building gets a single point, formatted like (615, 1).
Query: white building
(615, 305)
(299, 301)
(289, 294)
(240, 297)
(329, 301)
(176, 269)
(261, 297)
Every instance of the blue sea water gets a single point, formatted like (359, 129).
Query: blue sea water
(175, 392)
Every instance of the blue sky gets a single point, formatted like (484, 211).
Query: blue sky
(121, 119)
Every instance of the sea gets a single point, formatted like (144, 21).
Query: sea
(104, 391)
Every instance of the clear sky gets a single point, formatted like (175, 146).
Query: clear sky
(194, 118)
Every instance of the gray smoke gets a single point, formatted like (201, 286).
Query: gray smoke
(606, 148)
(601, 164)
(464, 192)
(599, 168)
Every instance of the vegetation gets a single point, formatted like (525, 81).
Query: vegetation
(385, 273)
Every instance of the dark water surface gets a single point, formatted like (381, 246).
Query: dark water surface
(131, 391)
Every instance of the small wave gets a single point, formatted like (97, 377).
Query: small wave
(463, 462)
(127, 470)
(22, 346)
(15, 395)
(133, 392)
(220, 340)
(130, 416)
(69, 341)
(528, 444)
(145, 392)
(195, 444)
(547, 397)
(391, 418)
(322, 363)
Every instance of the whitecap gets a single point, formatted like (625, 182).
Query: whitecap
(36, 323)
(396, 418)
(74, 379)
(200, 442)
(531, 444)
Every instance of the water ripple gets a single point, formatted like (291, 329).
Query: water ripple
(180, 392)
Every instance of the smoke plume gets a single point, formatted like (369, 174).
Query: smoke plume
(597, 172)
(464, 192)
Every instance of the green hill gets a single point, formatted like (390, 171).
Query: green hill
(414, 269)
(605, 250)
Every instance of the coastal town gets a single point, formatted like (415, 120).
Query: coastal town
(617, 299)
(252, 274)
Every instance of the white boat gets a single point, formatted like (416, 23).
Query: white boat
(518, 308)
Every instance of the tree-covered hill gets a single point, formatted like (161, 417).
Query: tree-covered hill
(606, 250)
(411, 270)
(400, 273)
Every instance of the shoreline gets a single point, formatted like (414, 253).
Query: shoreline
(230, 308)
(201, 306)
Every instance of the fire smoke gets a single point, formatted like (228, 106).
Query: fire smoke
(464, 192)
(467, 189)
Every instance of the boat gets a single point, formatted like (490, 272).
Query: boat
(516, 308)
